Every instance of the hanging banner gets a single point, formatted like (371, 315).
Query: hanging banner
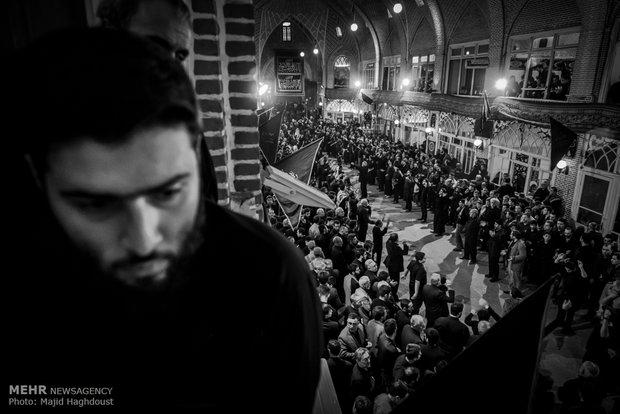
(289, 75)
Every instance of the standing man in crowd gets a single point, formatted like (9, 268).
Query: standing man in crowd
(378, 231)
(417, 280)
(125, 238)
(395, 261)
(363, 218)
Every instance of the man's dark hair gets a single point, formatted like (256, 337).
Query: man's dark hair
(333, 346)
(378, 313)
(105, 85)
(353, 315)
(432, 336)
(456, 308)
(384, 290)
(362, 405)
(117, 14)
(390, 326)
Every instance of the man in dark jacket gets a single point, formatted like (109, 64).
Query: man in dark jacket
(340, 371)
(363, 218)
(417, 279)
(436, 299)
(377, 239)
(453, 334)
(395, 261)
(471, 230)
(495, 247)
(125, 238)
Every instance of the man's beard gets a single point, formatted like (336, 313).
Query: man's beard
(176, 273)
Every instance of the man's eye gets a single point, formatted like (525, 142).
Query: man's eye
(96, 206)
(168, 195)
(181, 55)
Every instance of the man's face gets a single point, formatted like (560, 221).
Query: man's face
(129, 207)
(547, 237)
(364, 362)
(353, 324)
(567, 233)
(157, 21)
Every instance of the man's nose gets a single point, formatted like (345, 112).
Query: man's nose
(142, 234)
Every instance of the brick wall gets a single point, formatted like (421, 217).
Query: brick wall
(588, 67)
(472, 24)
(225, 76)
(423, 39)
(541, 15)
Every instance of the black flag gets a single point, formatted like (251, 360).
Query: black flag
(269, 134)
(299, 165)
(483, 127)
(561, 140)
(496, 373)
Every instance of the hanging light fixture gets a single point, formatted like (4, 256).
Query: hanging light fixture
(354, 26)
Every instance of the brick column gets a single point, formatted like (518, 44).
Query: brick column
(497, 47)
(225, 72)
(588, 68)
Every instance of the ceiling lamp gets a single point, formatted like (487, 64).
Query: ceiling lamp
(398, 8)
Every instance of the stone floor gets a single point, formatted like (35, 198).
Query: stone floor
(561, 356)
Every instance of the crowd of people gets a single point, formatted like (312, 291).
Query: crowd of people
(379, 347)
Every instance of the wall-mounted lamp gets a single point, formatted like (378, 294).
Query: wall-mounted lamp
(563, 167)
(396, 122)
(315, 51)
(478, 144)
(501, 84)
(358, 84)
(429, 130)
(262, 88)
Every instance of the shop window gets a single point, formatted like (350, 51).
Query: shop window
(423, 69)
(467, 69)
(391, 73)
(541, 67)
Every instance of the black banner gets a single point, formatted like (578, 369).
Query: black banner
(289, 75)
(269, 134)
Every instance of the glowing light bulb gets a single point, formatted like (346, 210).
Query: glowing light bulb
(501, 83)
